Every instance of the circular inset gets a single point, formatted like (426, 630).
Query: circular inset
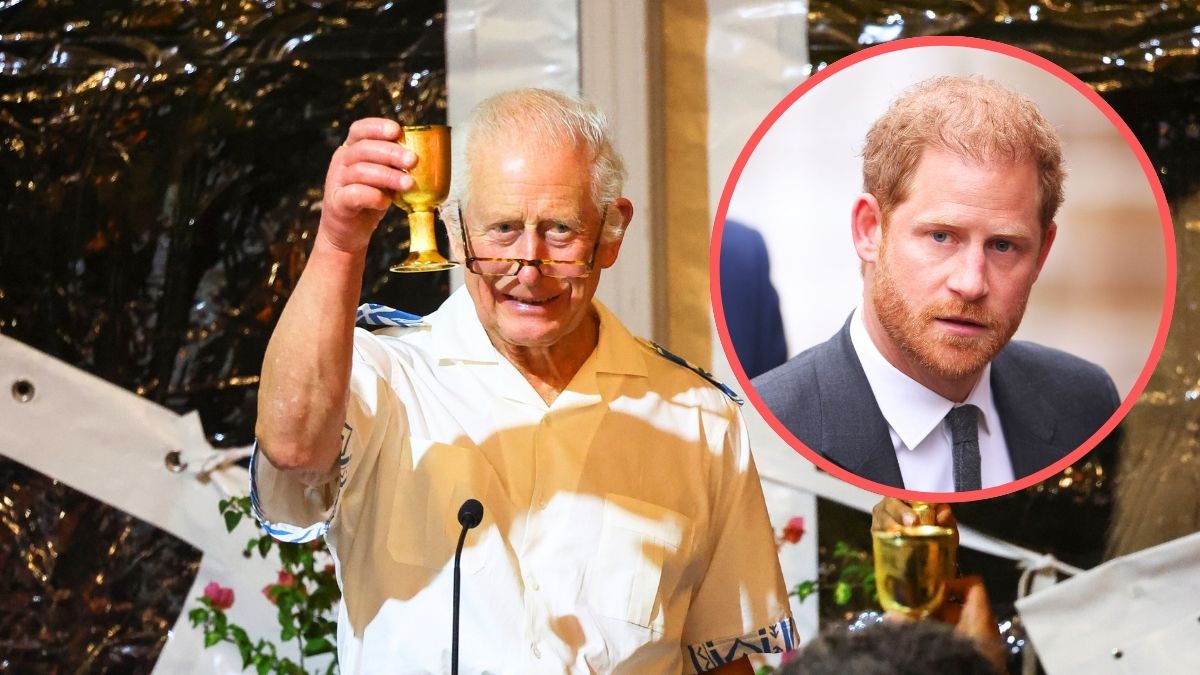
(1091, 305)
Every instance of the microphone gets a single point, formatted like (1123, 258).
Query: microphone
(470, 514)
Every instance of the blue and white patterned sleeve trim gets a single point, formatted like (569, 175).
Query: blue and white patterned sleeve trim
(371, 315)
(775, 639)
(295, 534)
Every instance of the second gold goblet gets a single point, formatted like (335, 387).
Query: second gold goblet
(912, 566)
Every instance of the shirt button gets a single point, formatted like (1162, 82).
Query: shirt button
(537, 653)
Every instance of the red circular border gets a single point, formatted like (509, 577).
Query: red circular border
(971, 43)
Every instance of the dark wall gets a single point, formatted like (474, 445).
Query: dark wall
(161, 165)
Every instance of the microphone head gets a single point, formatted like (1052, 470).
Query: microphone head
(470, 513)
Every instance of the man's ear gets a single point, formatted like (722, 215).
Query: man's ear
(608, 251)
(450, 212)
(866, 226)
(1047, 240)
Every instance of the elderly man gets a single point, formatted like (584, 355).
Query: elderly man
(624, 529)
(922, 388)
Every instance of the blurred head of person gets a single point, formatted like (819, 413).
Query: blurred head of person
(891, 648)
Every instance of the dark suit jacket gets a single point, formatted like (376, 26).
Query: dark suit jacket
(1049, 403)
(749, 300)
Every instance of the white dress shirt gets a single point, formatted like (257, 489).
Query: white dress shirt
(624, 527)
(916, 421)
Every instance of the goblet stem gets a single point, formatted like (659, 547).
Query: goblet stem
(423, 253)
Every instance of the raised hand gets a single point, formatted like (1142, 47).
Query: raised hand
(364, 174)
(892, 514)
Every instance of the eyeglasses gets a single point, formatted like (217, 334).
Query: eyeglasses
(506, 267)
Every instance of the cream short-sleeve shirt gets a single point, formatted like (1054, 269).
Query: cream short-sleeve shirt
(624, 528)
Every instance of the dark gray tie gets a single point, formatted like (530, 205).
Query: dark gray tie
(964, 439)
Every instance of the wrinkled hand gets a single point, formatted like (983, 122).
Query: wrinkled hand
(966, 607)
(892, 514)
(363, 175)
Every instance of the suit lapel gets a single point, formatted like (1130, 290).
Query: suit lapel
(1024, 416)
(854, 434)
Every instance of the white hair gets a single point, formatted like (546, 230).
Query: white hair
(551, 117)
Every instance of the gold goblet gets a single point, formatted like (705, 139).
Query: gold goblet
(431, 175)
(913, 564)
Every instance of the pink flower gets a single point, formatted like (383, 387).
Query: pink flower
(285, 579)
(794, 530)
(789, 656)
(220, 596)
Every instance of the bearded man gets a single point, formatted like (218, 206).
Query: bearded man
(922, 388)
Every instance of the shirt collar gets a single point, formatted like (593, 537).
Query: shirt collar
(912, 410)
(617, 351)
(458, 335)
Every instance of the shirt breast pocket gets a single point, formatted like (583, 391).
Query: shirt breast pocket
(432, 482)
(640, 552)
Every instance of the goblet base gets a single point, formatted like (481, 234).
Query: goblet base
(424, 261)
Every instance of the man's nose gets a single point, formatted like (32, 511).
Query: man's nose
(528, 248)
(969, 278)
(529, 275)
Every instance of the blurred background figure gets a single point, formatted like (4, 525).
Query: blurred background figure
(892, 648)
(750, 301)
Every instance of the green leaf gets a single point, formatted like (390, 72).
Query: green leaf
(263, 665)
(220, 621)
(317, 646)
(289, 555)
(244, 646)
(287, 633)
(211, 639)
(314, 628)
(264, 545)
(285, 599)
(239, 636)
(223, 505)
(765, 670)
(842, 592)
(804, 589)
(197, 616)
(232, 518)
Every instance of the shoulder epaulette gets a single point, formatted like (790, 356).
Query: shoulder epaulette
(371, 315)
(680, 361)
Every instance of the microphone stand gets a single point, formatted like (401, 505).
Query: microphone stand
(469, 515)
